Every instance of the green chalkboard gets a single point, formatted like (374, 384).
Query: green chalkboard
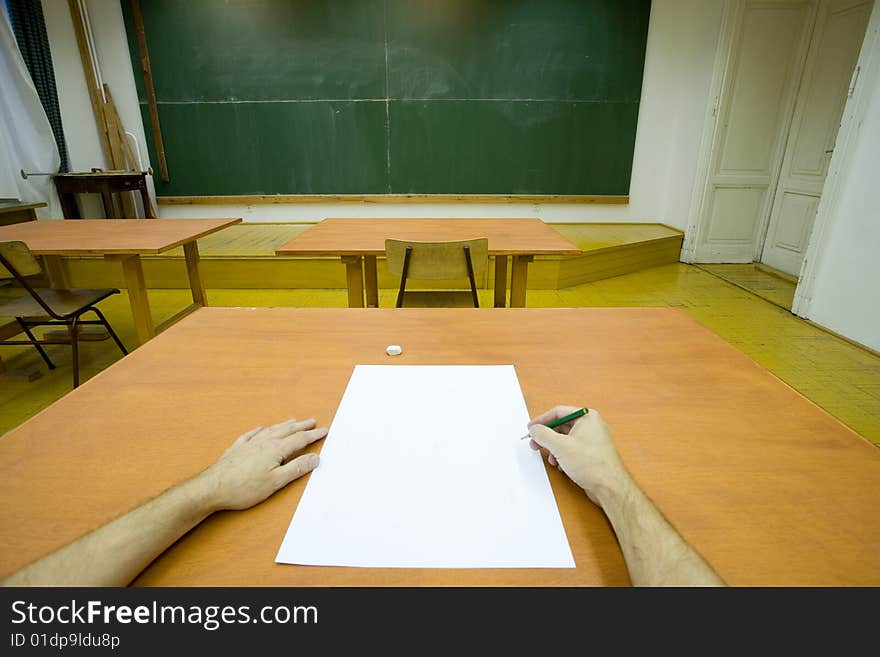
(394, 96)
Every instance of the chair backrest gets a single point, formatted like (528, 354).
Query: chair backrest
(18, 256)
(438, 260)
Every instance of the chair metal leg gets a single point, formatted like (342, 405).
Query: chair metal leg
(27, 332)
(403, 274)
(470, 270)
(74, 346)
(110, 331)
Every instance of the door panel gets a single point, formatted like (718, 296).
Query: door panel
(769, 37)
(729, 216)
(834, 50)
(756, 103)
(792, 234)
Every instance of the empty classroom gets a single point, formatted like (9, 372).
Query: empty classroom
(218, 216)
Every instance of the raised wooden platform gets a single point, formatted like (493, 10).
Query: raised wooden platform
(243, 256)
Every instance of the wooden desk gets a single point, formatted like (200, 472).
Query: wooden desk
(105, 183)
(125, 240)
(768, 487)
(359, 241)
(16, 213)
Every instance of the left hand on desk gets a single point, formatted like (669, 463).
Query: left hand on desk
(259, 463)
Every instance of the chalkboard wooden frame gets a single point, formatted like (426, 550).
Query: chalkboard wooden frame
(280, 199)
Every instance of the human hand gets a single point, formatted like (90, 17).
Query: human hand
(583, 449)
(259, 463)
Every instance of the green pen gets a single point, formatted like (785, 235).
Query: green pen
(568, 418)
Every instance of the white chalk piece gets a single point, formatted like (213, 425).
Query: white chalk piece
(393, 350)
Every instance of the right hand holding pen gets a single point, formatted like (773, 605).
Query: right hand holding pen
(583, 449)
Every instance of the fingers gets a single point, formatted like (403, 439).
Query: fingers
(554, 414)
(546, 438)
(286, 428)
(549, 443)
(299, 466)
(293, 443)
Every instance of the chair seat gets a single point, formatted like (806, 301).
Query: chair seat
(62, 302)
(438, 299)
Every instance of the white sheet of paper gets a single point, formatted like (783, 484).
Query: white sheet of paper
(423, 468)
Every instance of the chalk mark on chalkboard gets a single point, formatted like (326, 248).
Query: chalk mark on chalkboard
(387, 103)
(386, 99)
(269, 102)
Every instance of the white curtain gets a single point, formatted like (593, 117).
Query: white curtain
(26, 140)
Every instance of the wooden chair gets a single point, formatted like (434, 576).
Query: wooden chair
(44, 307)
(438, 261)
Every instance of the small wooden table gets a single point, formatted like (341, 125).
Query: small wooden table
(359, 241)
(768, 487)
(105, 183)
(125, 240)
(16, 213)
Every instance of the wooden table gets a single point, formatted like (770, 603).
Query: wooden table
(359, 241)
(105, 183)
(15, 213)
(771, 489)
(125, 240)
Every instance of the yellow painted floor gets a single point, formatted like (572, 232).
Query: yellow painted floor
(758, 281)
(840, 377)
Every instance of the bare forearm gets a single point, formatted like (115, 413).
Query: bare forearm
(114, 554)
(655, 554)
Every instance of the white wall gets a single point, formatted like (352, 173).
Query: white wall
(844, 280)
(80, 130)
(77, 116)
(678, 70)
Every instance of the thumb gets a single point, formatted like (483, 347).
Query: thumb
(547, 438)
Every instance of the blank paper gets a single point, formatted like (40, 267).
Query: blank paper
(423, 467)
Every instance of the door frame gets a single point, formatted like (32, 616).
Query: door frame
(729, 18)
(854, 112)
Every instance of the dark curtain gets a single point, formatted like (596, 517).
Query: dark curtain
(29, 27)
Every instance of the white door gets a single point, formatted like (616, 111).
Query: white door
(834, 50)
(765, 61)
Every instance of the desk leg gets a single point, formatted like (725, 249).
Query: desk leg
(137, 297)
(519, 275)
(69, 208)
(500, 281)
(107, 202)
(371, 282)
(149, 212)
(191, 254)
(354, 274)
(57, 271)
